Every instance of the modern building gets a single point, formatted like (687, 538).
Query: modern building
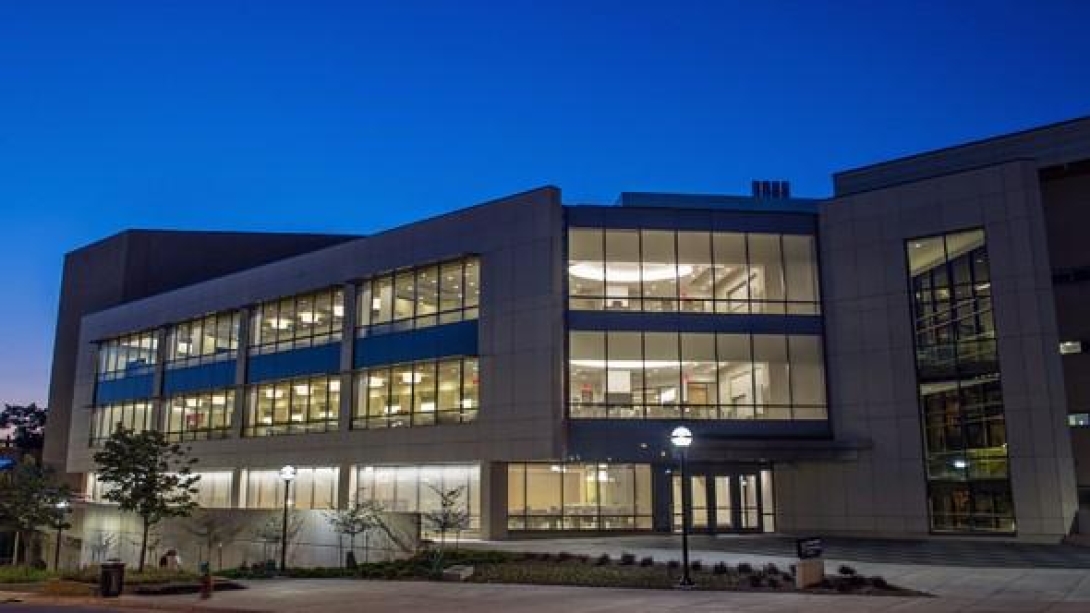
(906, 358)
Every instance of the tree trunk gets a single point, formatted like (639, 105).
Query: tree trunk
(143, 547)
(15, 549)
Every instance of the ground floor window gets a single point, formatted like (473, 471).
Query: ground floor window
(579, 497)
(416, 489)
(313, 488)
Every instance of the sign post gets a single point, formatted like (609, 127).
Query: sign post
(810, 569)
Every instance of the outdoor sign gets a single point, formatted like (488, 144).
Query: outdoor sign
(808, 548)
(6, 463)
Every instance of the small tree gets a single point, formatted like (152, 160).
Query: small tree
(269, 532)
(29, 500)
(29, 425)
(212, 529)
(148, 476)
(451, 516)
(358, 518)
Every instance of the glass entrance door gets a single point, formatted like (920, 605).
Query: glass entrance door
(725, 502)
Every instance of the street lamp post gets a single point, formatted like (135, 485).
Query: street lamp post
(287, 473)
(63, 508)
(681, 438)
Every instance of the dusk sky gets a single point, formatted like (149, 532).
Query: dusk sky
(353, 117)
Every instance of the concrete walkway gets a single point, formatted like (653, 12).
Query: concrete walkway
(995, 585)
(389, 596)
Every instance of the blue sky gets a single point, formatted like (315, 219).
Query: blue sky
(357, 116)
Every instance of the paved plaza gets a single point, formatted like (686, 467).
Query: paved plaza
(982, 578)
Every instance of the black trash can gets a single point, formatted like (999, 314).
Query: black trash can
(111, 580)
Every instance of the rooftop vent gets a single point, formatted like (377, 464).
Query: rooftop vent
(776, 190)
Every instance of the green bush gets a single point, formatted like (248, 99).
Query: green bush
(23, 574)
(150, 576)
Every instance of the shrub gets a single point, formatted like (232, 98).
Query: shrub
(843, 587)
(772, 569)
(648, 561)
(755, 581)
(697, 566)
(563, 556)
(603, 560)
(846, 570)
(584, 558)
(22, 574)
(720, 568)
(673, 565)
(879, 583)
(628, 559)
(773, 582)
(745, 568)
(544, 556)
(793, 569)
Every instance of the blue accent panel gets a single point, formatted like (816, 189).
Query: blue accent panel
(203, 377)
(643, 440)
(691, 219)
(694, 322)
(434, 342)
(128, 388)
(320, 360)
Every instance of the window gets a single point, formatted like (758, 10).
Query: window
(692, 271)
(412, 489)
(127, 356)
(578, 496)
(214, 489)
(207, 415)
(295, 406)
(961, 399)
(299, 321)
(312, 488)
(671, 375)
(1079, 420)
(1070, 347)
(135, 416)
(199, 341)
(420, 297)
(423, 393)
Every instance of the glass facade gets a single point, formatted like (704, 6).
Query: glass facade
(423, 393)
(420, 297)
(313, 488)
(126, 356)
(214, 489)
(692, 271)
(135, 416)
(199, 341)
(200, 416)
(294, 406)
(961, 400)
(412, 489)
(672, 375)
(299, 321)
(542, 496)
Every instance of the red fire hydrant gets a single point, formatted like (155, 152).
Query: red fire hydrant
(207, 586)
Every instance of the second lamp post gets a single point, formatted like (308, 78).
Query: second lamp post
(288, 475)
(681, 438)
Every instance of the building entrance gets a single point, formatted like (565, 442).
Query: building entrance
(733, 501)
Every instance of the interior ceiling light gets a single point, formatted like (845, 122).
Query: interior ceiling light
(629, 272)
(280, 323)
(309, 317)
(628, 364)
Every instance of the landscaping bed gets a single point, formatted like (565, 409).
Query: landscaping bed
(602, 571)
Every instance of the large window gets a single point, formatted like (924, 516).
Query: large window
(295, 406)
(134, 354)
(207, 339)
(135, 416)
(671, 375)
(312, 488)
(420, 297)
(421, 393)
(578, 497)
(692, 271)
(415, 489)
(214, 489)
(298, 321)
(201, 416)
(961, 399)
